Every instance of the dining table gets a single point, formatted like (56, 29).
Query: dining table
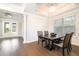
(51, 40)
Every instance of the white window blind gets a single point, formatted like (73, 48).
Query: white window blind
(64, 25)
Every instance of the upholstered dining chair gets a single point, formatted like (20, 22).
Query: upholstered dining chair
(40, 38)
(46, 33)
(70, 45)
(66, 44)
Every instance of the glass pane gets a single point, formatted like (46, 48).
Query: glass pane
(58, 23)
(58, 27)
(69, 21)
(63, 26)
(58, 30)
(69, 29)
(6, 27)
(13, 27)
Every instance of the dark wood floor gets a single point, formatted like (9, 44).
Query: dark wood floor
(15, 47)
(33, 49)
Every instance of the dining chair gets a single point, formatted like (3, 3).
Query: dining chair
(66, 44)
(70, 45)
(40, 38)
(46, 33)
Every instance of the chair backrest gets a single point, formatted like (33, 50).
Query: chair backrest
(71, 37)
(46, 33)
(40, 33)
(67, 39)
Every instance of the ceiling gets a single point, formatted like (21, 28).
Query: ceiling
(10, 15)
(44, 9)
(49, 9)
(54, 9)
(14, 4)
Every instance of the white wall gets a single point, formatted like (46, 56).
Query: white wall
(75, 40)
(35, 23)
(75, 13)
(0, 27)
(50, 25)
(20, 28)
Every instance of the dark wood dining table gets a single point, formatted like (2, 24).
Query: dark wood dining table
(51, 40)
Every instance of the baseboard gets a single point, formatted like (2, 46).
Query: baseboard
(75, 44)
(29, 41)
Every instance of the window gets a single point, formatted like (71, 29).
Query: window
(64, 25)
(13, 27)
(6, 27)
(9, 27)
(58, 28)
(69, 24)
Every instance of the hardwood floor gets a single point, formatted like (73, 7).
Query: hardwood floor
(33, 49)
(9, 45)
(15, 47)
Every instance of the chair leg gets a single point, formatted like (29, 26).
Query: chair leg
(63, 52)
(68, 51)
(38, 42)
(45, 43)
(42, 44)
(70, 48)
